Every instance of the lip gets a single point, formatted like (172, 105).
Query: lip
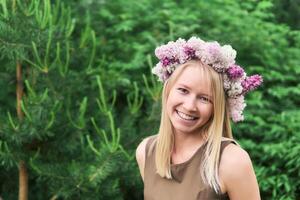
(186, 120)
(186, 114)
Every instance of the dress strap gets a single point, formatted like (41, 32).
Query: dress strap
(229, 140)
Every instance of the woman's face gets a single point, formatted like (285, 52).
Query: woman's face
(189, 105)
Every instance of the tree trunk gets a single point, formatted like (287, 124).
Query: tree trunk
(23, 176)
(19, 91)
(23, 181)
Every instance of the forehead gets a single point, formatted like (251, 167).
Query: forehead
(196, 78)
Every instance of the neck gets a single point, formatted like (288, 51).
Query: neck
(184, 141)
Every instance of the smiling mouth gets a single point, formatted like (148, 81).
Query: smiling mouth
(185, 116)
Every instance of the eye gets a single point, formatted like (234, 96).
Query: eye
(205, 99)
(182, 90)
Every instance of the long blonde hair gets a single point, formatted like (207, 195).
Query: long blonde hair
(216, 127)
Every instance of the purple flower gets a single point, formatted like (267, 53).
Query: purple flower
(251, 83)
(235, 72)
(190, 52)
(165, 61)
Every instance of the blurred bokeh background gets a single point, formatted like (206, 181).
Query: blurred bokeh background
(77, 94)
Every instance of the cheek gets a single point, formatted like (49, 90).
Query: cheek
(172, 99)
(207, 109)
(210, 110)
(171, 102)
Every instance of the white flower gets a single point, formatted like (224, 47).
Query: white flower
(236, 89)
(236, 108)
(158, 71)
(195, 43)
(228, 55)
(226, 82)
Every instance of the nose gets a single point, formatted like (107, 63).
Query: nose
(190, 104)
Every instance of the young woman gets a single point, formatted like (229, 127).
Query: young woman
(193, 156)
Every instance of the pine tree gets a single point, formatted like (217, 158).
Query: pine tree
(62, 133)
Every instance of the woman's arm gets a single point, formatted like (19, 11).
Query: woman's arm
(237, 174)
(140, 156)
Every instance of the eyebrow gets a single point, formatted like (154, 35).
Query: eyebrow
(183, 85)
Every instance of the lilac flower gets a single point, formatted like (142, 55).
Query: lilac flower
(251, 83)
(165, 61)
(237, 106)
(169, 50)
(235, 72)
(226, 82)
(190, 52)
(195, 43)
(228, 55)
(214, 49)
(158, 71)
(235, 89)
(209, 53)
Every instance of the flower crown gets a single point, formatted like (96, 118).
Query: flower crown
(221, 58)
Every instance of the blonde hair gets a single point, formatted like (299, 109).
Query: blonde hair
(216, 127)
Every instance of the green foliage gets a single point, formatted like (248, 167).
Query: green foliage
(89, 97)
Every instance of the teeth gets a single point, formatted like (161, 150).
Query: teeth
(185, 116)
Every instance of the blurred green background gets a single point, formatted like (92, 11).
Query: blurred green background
(89, 97)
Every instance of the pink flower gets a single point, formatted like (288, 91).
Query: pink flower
(214, 49)
(251, 83)
(190, 53)
(235, 72)
(236, 106)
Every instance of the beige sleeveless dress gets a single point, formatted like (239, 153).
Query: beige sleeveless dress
(186, 183)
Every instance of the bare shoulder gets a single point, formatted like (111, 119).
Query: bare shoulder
(140, 155)
(140, 150)
(237, 174)
(236, 157)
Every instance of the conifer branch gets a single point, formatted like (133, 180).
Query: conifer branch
(63, 67)
(66, 64)
(156, 88)
(101, 103)
(115, 133)
(14, 4)
(51, 121)
(80, 119)
(70, 23)
(11, 122)
(49, 41)
(4, 13)
(135, 104)
(127, 155)
(101, 133)
(91, 145)
(27, 10)
(29, 89)
(6, 154)
(25, 111)
(34, 65)
(43, 17)
(85, 34)
(37, 57)
(31, 93)
(93, 52)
